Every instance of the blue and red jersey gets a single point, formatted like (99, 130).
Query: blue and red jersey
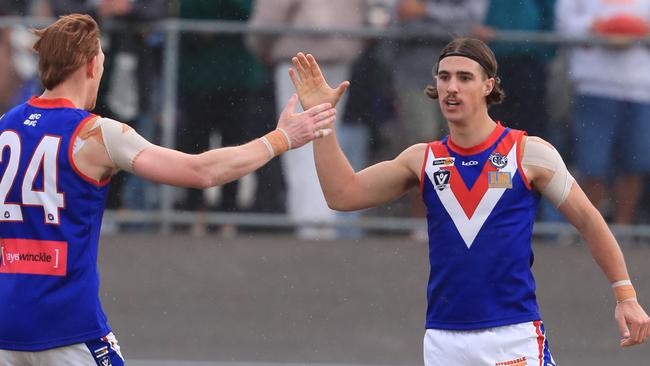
(50, 218)
(480, 215)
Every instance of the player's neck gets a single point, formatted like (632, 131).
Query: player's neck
(471, 133)
(70, 90)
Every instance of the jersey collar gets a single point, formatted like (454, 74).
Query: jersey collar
(496, 133)
(50, 103)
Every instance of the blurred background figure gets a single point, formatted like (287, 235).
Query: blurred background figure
(305, 200)
(612, 101)
(218, 77)
(522, 67)
(524, 70)
(419, 117)
(18, 80)
(131, 88)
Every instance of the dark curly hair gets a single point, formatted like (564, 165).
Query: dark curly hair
(478, 51)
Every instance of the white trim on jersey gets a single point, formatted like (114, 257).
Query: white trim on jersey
(468, 227)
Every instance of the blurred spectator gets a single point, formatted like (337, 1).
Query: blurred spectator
(336, 55)
(18, 72)
(413, 73)
(10, 80)
(612, 102)
(418, 115)
(132, 69)
(218, 77)
(522, 67)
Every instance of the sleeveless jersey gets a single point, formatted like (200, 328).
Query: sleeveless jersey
(50, 217)
(480, 214)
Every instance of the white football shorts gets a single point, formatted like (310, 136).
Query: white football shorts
(100, 352)
(522, 344)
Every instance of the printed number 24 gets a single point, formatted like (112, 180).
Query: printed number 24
(44, 159)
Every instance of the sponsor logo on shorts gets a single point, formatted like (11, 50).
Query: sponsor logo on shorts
(499, 180)
(441, 179)
(448, 161)
(498, 160)
(101, 354)
(518, 362)
(27, 256)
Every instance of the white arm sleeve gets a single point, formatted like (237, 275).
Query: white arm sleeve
(541, 154)
(123, 145)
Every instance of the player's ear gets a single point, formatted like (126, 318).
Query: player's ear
(488, 86)
(90, 67)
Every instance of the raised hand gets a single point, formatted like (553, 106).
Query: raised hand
(301, 128)
(310, 83)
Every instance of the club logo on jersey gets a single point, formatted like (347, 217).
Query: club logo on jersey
(498, 160)
(441, 179)
(499, 180)
(470, 163)
(32, 120)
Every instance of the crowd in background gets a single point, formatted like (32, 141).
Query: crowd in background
(591, 102)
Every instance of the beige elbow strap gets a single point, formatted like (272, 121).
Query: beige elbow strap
(624, 291)
(123, 143)
(541, 154)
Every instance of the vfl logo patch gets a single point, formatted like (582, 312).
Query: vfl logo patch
(498, 160)
(449, 161)
(441, 179)
(499, 180)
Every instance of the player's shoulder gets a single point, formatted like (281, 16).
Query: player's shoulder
(536, 141)
(414, 150)
(413, 156)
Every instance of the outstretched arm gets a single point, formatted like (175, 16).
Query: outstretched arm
(548, 174)
(113, 146)
(343, 188)
(220, 166)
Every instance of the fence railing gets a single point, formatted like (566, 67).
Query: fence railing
(166, 216)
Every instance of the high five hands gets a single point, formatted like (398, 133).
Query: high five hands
(310, 84)
(301, 128)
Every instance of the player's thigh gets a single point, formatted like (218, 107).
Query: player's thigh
(521, 344)
(104, 351)
(636, 137)
(595, 126)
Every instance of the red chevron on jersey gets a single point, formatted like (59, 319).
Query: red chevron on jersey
(469, 208)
